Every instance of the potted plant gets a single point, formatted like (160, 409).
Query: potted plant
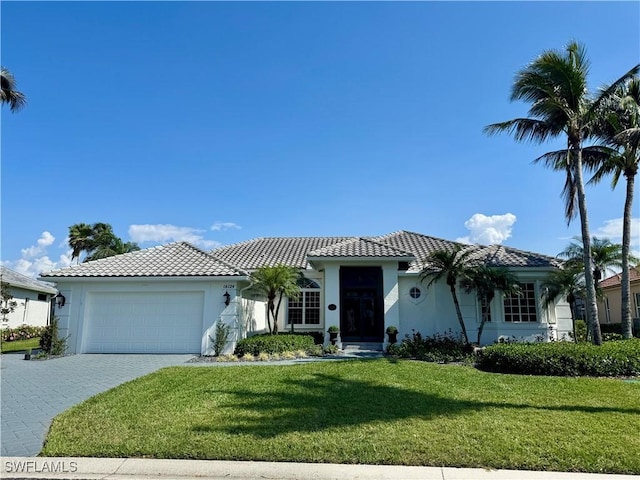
(333, 334)
(27, 355)
(393, 334)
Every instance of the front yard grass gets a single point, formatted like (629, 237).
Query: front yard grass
(17, 346)
(369, 411)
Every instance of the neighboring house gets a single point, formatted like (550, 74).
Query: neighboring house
(32, 300)
(610, 307)
(168, 299)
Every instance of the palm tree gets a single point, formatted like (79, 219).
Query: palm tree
(97, 241)
(80, 237)
(108, 246)
(8, 92)
(620, 130)
(555, 84)
(605, 256)
(567, 282)
(275, 282)
(450, 265)
(485, 280)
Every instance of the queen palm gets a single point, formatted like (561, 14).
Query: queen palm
(620, 130)
(485, 280)
(275, 282)
(8, 93)
(450, 265)
(555, 84)
(605, 255)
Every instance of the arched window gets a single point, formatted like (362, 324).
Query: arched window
(305, 310)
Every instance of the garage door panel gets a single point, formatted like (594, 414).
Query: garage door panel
(144, 322)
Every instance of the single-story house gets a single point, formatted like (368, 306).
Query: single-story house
(32, 300)
(169, 298)
(610, 306)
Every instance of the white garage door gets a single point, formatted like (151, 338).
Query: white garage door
(134, 322)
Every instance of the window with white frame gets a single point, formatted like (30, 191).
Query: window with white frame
(607, 310)
(305, 310)
(523, 307)
(485, 309)
(637, 295)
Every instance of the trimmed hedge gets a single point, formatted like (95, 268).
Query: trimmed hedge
(280, 343)
(440, 348)
(612, 359)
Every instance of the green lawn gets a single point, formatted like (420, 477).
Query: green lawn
(370, 411)
(20, 345)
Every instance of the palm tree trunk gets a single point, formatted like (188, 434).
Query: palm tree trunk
(625, 319)
(592, 307)
(459, 313)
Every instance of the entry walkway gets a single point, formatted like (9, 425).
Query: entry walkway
(33, 392)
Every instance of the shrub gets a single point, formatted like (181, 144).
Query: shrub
(612, 359)
(441, 348)
(274, 344)
(23, 332)
(50, 340)
(581, 331)
(222, 335)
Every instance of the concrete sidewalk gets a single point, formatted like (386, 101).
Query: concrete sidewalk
(146, 469)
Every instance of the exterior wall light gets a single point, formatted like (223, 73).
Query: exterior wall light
(227, 298)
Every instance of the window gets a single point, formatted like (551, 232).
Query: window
(521, 308)
(607, 310)
(305, 310)
(415, 292)
(637, 295)
(485, 309)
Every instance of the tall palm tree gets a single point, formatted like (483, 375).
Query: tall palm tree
(8, 92)
(275, 282)
(555, 84)
(565, 282)
(450, 265)
(80, 238)
(620, 131)
(485, 280)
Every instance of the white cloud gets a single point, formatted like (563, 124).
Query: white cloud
(612, 229)
(163, 233)
(488, 230)
(222, 226)
(35, 260)
(45, 240)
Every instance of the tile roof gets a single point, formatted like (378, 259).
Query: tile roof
(360, 247)
(179, 259)
(293, 251)
(16, 279)
(272, 251)
(616, 280)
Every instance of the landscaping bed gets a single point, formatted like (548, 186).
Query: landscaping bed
(364, 411)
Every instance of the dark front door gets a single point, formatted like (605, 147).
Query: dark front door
(361, 306)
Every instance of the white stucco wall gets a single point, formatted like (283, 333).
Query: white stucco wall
(434, 312)
(29, 311)
(71, 317)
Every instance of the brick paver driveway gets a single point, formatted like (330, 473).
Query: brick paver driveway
(33, 392)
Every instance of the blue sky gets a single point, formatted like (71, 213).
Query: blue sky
(218, 122)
